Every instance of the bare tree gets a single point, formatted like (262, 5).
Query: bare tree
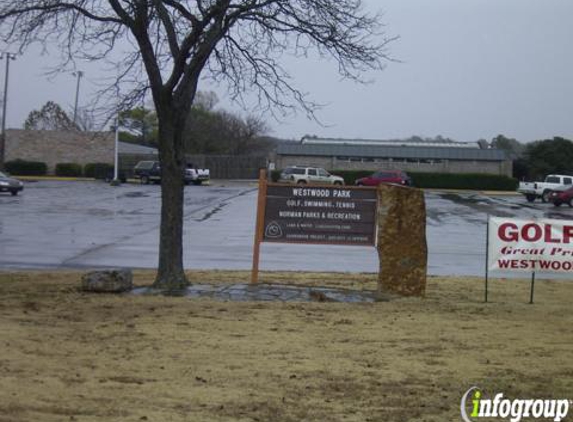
(53, 117)
(205, 100)
(50, 117)
(179, 41)
(86, 121)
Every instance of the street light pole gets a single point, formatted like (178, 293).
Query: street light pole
(79, 75)
(8, 57)
(116, 152)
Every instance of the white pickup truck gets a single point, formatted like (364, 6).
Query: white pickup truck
(553, 182)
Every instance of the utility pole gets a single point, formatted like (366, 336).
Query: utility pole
(8, 57)
(79, 75)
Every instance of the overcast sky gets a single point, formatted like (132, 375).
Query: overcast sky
(469, 69)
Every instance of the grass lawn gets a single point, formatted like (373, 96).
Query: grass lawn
(71, 356)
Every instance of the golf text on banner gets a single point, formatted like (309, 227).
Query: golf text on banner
(542, 246)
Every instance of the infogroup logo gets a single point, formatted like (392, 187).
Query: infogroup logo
(513, 410)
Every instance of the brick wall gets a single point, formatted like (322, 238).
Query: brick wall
(52, 147)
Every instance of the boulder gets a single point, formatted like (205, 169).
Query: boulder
(402, 247)
(108, 281)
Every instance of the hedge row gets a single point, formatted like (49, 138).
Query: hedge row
(464, 181)
(68, 170)
(436, 180)
(98, 170)
(26, 168)
(36, 168)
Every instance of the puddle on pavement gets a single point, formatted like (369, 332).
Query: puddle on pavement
(100, 212)
(481, 204)
(269, 293)
(135, 195)
(211, 213)
(557, 215)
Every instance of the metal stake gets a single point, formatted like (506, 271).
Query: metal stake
(532, 287)
(486, 257)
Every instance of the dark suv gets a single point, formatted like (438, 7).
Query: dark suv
(150, 171)
(397, 177)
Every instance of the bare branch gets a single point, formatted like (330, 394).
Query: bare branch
(54, 8)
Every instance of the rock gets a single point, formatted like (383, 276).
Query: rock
(108, 281)
(402, 246)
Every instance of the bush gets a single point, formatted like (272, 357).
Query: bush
(68, 170)
(350, 176)
(443, 180)
(275, 174)
(436, 180)
(26, 168)
(463, 181)
(100, 171)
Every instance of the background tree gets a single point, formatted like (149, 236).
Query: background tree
(549, 156)
(210, 131)
(222, 132)
(236, 41)
(50, 117)
(139, 125)
(513, 147)
(515, 152)
(86, 121)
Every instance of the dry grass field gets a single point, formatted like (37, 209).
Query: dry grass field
(70, 356)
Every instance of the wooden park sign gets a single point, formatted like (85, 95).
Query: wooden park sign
(316, 214)
(320, 214)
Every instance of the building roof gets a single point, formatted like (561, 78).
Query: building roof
(127, 148)
(414, 141)
(391, 151)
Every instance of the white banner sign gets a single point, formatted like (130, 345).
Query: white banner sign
(543, 246)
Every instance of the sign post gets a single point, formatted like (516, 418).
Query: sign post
(532, 287)
(315, 214)
(261, 202)
(486, 257)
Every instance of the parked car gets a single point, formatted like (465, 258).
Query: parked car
(150, 171)
(385, 176)
(304, 175)
(558, 197)
(9, 184)
(553, 182)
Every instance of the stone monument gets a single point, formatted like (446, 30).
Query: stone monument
(402, 244)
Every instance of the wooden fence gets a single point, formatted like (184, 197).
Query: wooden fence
(220, 166)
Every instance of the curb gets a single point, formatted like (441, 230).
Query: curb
(53, 178)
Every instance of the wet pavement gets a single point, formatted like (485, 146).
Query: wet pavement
(90, 224)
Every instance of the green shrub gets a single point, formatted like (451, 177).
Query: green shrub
(26, 168)
(463, 181)
(68, 170)
(443, 180)
(275, 174)
(436, 180)
(100, 171)
(350, 176)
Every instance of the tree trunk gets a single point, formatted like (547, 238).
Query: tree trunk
(170, 274)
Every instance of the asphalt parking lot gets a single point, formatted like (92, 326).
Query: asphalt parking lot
(55, 224)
